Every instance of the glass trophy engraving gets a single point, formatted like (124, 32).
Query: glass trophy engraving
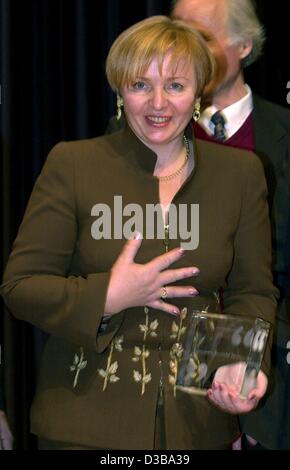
(214, 341)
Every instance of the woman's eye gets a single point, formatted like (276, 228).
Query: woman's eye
(139, 86)
(175, 86)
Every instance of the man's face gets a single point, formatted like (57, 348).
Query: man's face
(210, 18)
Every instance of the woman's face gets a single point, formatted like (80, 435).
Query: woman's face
(159, 107)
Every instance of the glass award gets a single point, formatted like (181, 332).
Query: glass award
(214, 341)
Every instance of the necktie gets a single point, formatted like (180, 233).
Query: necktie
(219, 126)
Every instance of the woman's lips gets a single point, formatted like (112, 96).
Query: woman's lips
(158, 121)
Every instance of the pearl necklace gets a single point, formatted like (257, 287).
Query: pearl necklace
(180, 170)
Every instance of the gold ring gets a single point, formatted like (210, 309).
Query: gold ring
(164, 293)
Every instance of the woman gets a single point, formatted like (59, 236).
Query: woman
(106, 379)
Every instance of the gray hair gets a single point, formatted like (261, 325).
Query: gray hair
(243, 24)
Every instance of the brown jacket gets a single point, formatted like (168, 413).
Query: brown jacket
(57, 277)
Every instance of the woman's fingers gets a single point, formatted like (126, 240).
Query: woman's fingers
(133, 284)
(177, 291)
(164, 306)
(226, 396)
(167, 259)
(172, 275)
(130, 249)
(259, 391)
(171, 292)
(229, 400)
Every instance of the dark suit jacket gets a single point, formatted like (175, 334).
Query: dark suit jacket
(272, 140)
(93, 389)
(270, 423)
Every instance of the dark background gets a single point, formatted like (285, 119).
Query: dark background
(52, 60)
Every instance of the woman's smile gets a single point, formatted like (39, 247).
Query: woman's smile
(158, 121)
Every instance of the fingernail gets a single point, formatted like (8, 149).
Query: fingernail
(137, 236)
(182, 251)
(195, 271)
(193, 292)
(176, 312)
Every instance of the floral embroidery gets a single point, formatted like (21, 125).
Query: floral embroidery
(149, 329)
(144, 378)
(109, 375)
(78, 365)
(177, 331)
(175, 357)
(141, 354)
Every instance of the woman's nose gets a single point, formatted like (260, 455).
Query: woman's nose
(158, 99)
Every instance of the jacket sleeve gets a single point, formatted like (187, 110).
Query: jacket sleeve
(37, 285)
(250, 290)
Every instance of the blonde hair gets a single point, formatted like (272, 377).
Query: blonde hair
(133, 51)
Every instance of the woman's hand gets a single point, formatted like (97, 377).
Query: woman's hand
(133, 284)
(227, 398)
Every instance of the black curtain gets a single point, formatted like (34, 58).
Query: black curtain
(53, 87)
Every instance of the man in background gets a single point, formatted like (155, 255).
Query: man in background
(236, 117)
